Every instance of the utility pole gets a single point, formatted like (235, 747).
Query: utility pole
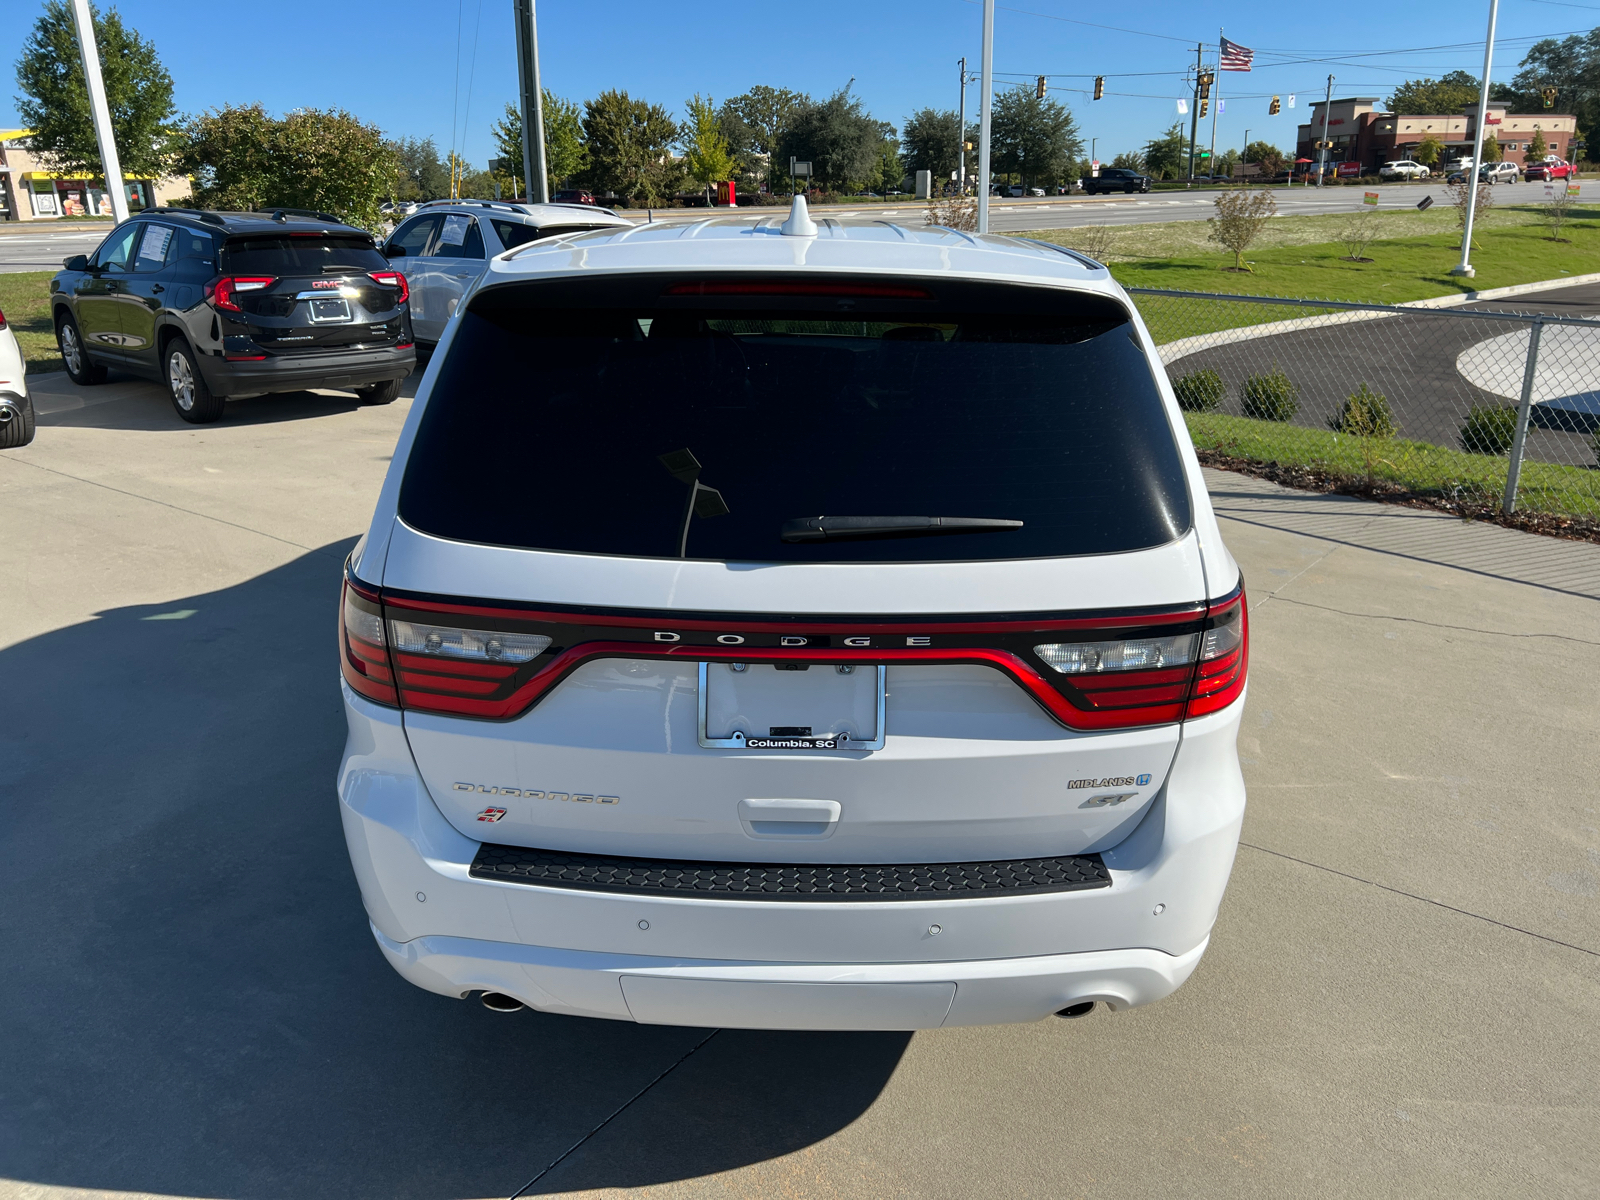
(532, 102)
(986, 76)
(1465, 266)
(109, 162)
(1194, 109)
(961, 134)
(1322, 146)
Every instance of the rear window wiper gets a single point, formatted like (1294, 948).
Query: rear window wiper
(838, 529)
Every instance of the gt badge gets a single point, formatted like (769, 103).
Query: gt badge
(491, 814)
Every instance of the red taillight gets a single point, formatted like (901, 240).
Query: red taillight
(222, 291)
(392, 279)
(2, 320)
(363, 648)
(1224, 656)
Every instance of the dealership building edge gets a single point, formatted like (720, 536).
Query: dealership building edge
(1365, 134)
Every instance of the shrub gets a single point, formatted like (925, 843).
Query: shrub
(1270, 397)
(1489, 429)
(1594, 444)
(1365, 414)
(1200, 391)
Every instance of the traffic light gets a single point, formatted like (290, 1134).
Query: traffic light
(1274, 108)
(1099, 86)
(1038, 91)
(1205, 86)
(1549, 96)
(1204, 105)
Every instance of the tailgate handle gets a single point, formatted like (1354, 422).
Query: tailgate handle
(789, 818)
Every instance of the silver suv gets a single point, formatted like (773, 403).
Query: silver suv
(815, 625)
(444, 248)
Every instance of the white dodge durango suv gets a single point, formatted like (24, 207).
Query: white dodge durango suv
(802, 625)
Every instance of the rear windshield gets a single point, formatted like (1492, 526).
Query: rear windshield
(513, 234)
(560, 415)
(301, 254)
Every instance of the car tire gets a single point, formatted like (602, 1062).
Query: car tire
(80, 369)
(16, 422)
(386, 392)
(195, 401)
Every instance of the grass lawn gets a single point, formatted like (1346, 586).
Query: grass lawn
(1418, 466)
(25, 300)
(1302, 257)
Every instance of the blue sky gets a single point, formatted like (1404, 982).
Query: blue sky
(395, 63)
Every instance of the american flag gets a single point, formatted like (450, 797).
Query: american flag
(1236, 57)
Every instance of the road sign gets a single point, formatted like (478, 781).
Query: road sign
(799, 168)
(1370, 198)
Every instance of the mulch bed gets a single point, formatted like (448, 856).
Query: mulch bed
(1312, 479)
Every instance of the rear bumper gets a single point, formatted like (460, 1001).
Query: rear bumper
(667, 959)
(291, 374)
(735, 995)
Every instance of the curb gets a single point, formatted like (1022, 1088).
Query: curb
(1172, 351)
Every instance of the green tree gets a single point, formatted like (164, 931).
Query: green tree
(930, 141)
(836, 136)
(1572, 67)
(630, 147)
(329, 161)
(565, 154)
(890, 170)
(421, 174)
(1167, 156)
(1269, 156)
(766, 112)
(1537, 148)
(1428, 151)
(1032, 136)
(55, 99)
(1129, 160)
(1454, 93)
(1491, 149)
(706, 152)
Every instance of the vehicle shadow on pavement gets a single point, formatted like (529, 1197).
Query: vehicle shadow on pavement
(193, 1004)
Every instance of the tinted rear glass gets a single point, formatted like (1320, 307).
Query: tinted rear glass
(548, 421)
(512, 234)
(300, 254)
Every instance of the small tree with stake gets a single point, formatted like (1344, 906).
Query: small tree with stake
(1241, 215)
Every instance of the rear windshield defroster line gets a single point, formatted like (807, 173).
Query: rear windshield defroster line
(548, 424)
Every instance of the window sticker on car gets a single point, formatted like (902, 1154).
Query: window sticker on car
(153, 246)
(455, 230)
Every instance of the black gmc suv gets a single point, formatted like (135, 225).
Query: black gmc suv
(1115, 179)
(218, 305)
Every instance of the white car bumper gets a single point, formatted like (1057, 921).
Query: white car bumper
(760, 964)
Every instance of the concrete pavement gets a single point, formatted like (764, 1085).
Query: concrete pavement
(1399, 998)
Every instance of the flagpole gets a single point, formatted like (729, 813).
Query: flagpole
(1216, 107)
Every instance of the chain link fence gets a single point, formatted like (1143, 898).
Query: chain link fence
(1478, 406)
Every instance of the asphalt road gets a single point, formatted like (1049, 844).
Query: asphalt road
(1399, 999)
(38, 248)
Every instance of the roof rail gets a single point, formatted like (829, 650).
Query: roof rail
(282, 214)
(199, 214)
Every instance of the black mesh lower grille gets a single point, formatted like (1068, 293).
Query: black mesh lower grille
(788, 881)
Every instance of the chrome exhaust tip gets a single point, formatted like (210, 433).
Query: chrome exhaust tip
(501, 1003)
(9, 412)
(1081, 1009)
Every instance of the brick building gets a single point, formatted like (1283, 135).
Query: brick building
(29, 192)
(1361, 132)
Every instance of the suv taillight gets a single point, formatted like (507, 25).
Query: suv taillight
(1154, 680)
(392, 279)
(2, 320)
(222, 291)
(363, 652)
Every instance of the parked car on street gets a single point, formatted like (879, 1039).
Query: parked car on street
(1403, 169)
(445, 247)
(1550, 168)
(217, 305)
(397, 210)
(572, 196)
(1497, 172)
(16, 409)
(1116, 179)
(865, 734)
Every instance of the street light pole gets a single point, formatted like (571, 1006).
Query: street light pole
(961, 134)
(986, 72)
(1465, 266)
(532, 102)
(1322, 148)
(109, 162)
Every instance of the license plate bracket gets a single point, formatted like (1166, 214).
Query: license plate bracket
(330, 310)
(762, 708)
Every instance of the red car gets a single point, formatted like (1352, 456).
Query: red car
(1550, 168)
(573, 196)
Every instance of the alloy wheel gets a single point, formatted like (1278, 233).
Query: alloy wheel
(70, 350)
(180, 378)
